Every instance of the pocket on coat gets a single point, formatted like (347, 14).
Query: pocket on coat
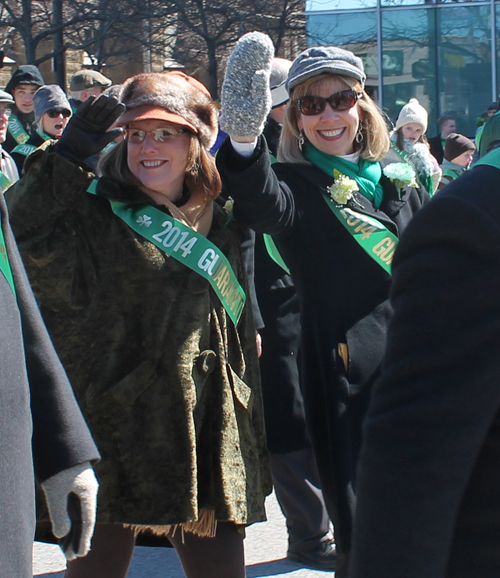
(366, 344)
(242, 392)
(126, 391)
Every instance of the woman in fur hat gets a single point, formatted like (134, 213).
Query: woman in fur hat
(409, 143)
(142, 285)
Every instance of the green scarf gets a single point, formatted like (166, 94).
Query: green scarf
(366, 174)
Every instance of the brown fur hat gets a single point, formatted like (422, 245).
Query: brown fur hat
(174, 97)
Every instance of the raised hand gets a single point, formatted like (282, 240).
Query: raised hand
(87, 132)
(246, 95)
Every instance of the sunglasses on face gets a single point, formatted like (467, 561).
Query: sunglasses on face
(136, 136)
(311, 105)
(56, 112)
(6, 112)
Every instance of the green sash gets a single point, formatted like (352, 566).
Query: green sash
(371, 234)
(4, 182)
(4, 261)
(16, 129)
(24, 149)
(187, 246)
(274, 253)
(450, 173)
(271, 248)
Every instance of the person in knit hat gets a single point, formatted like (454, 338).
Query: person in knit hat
(141, 279)
(409, 142)
(23, 84)
(52, 112)
(458, 154)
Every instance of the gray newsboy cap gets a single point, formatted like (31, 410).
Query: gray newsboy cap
(6, 97)
(314, 61)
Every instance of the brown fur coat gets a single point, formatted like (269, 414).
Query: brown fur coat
(169, 387)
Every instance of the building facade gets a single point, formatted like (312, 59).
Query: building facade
(442, 52)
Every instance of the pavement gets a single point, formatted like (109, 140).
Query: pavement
(265, 555)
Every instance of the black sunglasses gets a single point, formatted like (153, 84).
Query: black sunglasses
(343, 100)
(54, 113)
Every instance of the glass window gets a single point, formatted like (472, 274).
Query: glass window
(342, 29)
(404, 2)
(320, 5)
(465, 64)
(440, 56)
(355, 31)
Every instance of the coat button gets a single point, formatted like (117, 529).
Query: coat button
(196, 283)
(205, 362)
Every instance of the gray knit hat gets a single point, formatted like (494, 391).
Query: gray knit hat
(413, 111)
(314, 61)
(49, 97)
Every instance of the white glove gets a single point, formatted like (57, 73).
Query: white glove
(77, 488)
(246, 93)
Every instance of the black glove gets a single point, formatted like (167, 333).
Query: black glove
(87, 133)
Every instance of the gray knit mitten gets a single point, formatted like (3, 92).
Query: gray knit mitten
(246, 95)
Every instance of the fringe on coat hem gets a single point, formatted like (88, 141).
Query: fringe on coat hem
(204, 527)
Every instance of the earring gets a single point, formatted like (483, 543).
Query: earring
(301, 140)
(359, 136)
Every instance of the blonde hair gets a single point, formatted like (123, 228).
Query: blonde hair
(200, 171)
(372, 126)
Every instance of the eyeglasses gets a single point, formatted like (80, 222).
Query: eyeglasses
(136, 136)
(54, 113)
(6, 112)
(311, 105)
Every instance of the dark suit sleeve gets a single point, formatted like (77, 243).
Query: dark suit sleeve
(439, 392)
(261, 202)
(61, 438)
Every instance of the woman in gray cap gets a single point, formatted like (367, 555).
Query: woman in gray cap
(52, 113)
(335, 214)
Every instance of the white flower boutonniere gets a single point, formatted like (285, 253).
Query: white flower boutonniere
(343, 188)
(401, 174)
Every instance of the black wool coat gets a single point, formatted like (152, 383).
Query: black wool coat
(42, 431)
(279, 308)
(343, 296)
(429, 473)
